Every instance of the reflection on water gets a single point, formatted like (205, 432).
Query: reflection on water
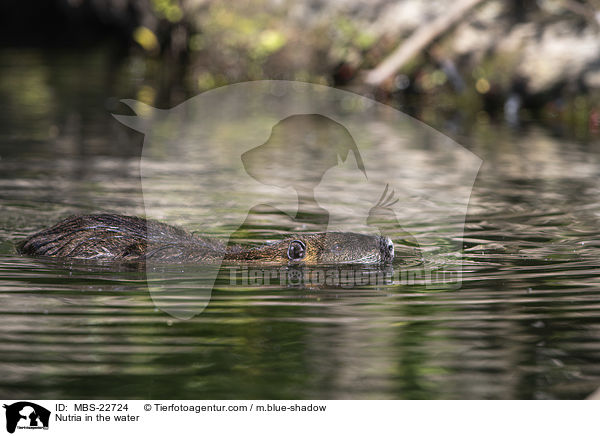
(524, 324)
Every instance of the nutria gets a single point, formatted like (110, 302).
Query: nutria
(126, 238)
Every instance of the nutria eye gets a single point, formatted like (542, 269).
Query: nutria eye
(296, 250)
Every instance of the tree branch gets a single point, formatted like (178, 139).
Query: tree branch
(419, 40)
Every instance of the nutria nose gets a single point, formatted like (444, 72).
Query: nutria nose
(387, 249)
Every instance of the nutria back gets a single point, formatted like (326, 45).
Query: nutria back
(118, 237)
(127, 238)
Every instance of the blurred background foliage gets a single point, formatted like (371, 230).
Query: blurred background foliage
(501, 61)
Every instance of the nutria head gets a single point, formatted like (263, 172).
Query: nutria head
(320, 249)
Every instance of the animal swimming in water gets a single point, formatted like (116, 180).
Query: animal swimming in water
(132, 239)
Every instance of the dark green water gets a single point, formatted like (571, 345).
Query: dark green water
(525, 323)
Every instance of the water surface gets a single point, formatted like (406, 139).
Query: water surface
(524, 324)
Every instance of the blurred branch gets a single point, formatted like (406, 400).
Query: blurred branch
(419, 40)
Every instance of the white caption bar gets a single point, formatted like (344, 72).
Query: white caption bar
(158, 417)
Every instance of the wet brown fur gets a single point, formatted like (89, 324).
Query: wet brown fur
(126, 238)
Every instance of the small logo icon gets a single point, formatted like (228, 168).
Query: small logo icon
(26, 415)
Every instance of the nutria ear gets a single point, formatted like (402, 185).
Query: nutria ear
(144, 115)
